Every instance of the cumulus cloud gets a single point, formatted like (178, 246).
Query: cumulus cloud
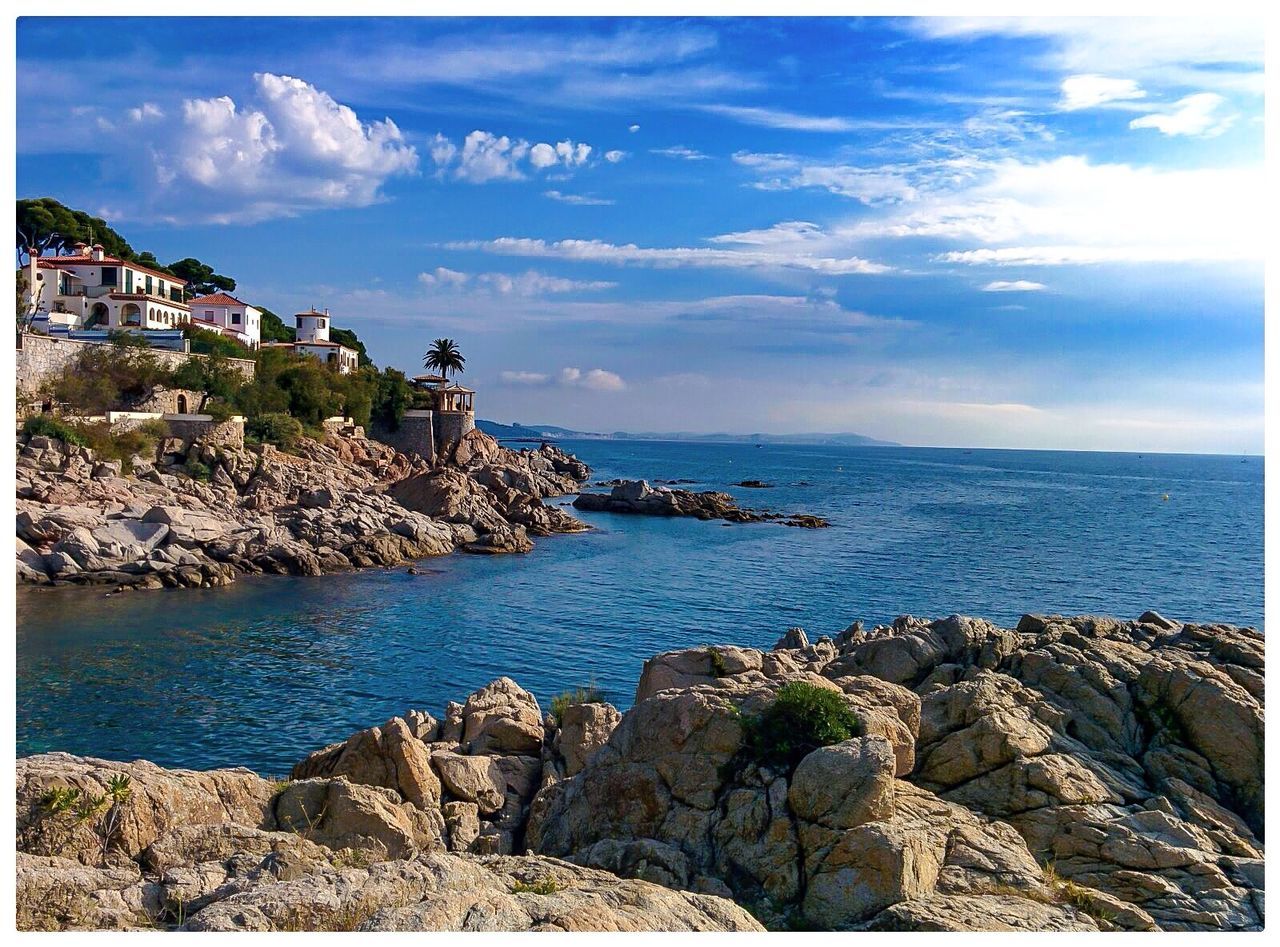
(485, 156)
(1071, 211)
(529, 283)
(681, 152)
(582, 200)
(1090, 91)
(614, 156)
(595, 379)
(1196, 115)
(146, 112)
(633, 128)
(1013, 286)
(800, 255)
(293, 149)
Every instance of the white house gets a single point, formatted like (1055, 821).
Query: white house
(91, 290)
(313, 339)
(226, 315)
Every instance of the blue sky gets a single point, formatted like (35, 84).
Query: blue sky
(981, 232)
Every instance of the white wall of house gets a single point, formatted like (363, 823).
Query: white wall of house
(244, 322)
(346, 360)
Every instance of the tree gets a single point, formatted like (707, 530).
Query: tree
(352, 341)
(444, 357)
(273, 328)
(200, 279)
(51, 227)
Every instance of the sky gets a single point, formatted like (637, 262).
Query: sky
(979, 232)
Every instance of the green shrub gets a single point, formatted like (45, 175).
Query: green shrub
(275, 428)
(44, 426)
(541, 886)
(579, 695)
(801, 719)
(197, 470)
(122, 444)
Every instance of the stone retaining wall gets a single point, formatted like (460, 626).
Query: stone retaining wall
(41, 357)
(415, 435)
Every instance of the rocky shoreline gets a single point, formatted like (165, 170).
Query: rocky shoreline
(1080, 773)
(199, 513)
(638, 498)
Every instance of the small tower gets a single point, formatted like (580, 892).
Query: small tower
(313, 326)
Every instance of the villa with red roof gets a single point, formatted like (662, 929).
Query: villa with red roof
(312, 338)
(91, 290)
(226, 315)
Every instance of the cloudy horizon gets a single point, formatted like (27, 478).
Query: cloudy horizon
(977, 232)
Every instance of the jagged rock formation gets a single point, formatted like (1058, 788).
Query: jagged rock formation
(1070, 774)
(637, 497)
(349, 502)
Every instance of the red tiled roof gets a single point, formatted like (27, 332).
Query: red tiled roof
(217, 299)
(55, 262)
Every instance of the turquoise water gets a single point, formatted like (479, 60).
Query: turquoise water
(263, 672)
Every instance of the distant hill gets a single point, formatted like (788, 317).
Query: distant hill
(553, 432)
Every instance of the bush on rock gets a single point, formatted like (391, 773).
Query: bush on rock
(801, 719)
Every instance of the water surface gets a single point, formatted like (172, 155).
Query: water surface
(263, 672)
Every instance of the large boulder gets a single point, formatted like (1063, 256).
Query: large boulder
(502, 717)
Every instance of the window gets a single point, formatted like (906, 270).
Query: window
(109, 276)
(148, 280)
(235, 318)
(208, 314)
(319, 323)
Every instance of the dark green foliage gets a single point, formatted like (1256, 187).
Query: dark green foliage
(444, 357)
(52, 227)
(197, 470)
(205, 342)
(801, 719)
(44, 426)
(273, 328)
(199, 278)
(274, 428)
(392, 396)
(105, 377)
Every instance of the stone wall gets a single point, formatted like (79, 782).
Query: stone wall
(41, 357)
(451, 426)
(216, 433)
(415, 435)
(170, 401)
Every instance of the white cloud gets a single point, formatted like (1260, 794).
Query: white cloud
(599, 251)
(680, 151)
(523, 378)
(633, 128)
(486, 156)
(1224, 52)
(1194, 115)
(779, 172)
(1090, 91)
(595, 379)
(777, 118)
(296, 149)
(581, 200)
(146, 112)
(1013, 286)
(613, 157)
(489, 157)
(529, 283)
(443, 276)
(1071, 211)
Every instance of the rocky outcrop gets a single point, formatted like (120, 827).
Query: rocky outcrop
(1069, 774)
(199, 514)
(637, 497)
(229, 851)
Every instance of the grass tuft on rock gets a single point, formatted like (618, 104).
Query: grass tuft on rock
(579, 695)
(802, 718)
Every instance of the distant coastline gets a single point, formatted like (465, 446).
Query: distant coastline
(541, 432)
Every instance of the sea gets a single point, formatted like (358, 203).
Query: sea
(263, 672)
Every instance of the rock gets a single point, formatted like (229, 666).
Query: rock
(339, 814)
(584, 728)
(845, 785)
(502, 717)
(475, 779)
(637, 497)
(1155, 618)
(462, 820)
(503, 539)
(794, 638)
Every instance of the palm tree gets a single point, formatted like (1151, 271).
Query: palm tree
(444, 357)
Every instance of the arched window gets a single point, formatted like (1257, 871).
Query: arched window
(182, 404)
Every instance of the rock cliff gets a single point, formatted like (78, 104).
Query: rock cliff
(198, 514)
(1076, 773)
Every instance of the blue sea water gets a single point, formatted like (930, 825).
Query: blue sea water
(262, 673)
